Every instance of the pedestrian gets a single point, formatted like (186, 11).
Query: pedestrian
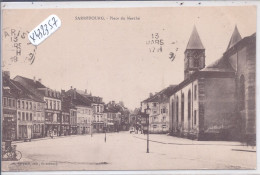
(51, 133)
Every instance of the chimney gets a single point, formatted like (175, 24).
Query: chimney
(40, 80)
(71, 87)
(7, 74)
(74, 93)
(151, 94)
(34, 79)
(86, 92)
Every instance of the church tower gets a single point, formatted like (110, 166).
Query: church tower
(194, 54)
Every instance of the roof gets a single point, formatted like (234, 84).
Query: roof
(235, 38)
(78, 99)
(220, 65)
(163, 95)
(37, 88)
(31, 82)
(194, 41)
(93, 99)
(25, 93)
(66, 105)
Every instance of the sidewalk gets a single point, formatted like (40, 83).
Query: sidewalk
(45, 138)
(166, 139)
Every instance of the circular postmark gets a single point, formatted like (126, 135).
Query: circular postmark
(16, 47)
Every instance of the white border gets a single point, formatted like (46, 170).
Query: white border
(132, 4)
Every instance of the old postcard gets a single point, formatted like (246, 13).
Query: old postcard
(140, 88)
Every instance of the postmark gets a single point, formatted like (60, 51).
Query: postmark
(16, 47)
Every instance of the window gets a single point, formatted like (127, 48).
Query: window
(195, 92)
(242, 93)
(22, 104)
(18, 104)
(164, 119)
(26, 106)
(196, 62)
(50, 104)
(154, 104)
(34, 106)
(27, 116)
(19, 115)
(54, 104)
(58, 105)
(30, 107)
(195, 117)
(97, 108)
(46, 104)
(13, 103)
(163, 110)
(23, 116)
(5, 102)
(9, 102)
(182, 108)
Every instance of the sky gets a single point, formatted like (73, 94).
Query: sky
(112, 58)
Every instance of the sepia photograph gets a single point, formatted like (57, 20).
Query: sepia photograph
(138, 88)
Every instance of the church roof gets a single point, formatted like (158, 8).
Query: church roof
(194, 41)
(235, 38)
(220, 65)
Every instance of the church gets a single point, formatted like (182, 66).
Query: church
(217, 101)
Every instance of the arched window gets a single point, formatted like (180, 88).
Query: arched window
(196, 62)
(189, 107)
(172, 108)
(182, 108)
(177, 110)
(242, 93)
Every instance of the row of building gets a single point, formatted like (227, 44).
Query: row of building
(214, 102)
(32, 110)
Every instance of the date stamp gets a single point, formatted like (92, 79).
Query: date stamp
(16, 47)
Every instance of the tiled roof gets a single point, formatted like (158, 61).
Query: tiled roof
(194, 41)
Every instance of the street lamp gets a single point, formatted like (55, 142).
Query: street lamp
(147, 111)
(105, 128)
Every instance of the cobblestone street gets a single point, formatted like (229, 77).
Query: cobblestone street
(123, 151)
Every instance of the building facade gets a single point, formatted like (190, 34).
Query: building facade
(216, 102)
(9, 111)
(159, 110)
(84, 111)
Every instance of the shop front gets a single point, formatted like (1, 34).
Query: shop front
(9, 125)
(25, 131)
(52, 123)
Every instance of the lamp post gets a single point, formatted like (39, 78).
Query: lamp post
(105, 134)
(147, 111)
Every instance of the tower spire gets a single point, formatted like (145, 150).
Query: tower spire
(235, 38)
(194, 41)
(194, 54)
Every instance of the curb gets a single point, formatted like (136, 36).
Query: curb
(172, 143)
